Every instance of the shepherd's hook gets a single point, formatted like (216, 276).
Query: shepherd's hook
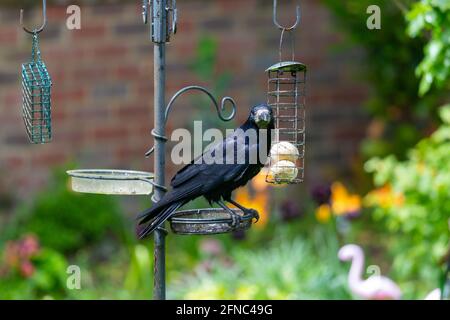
(36, 31)
(297, 21)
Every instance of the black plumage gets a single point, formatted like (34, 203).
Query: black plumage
(216, 180)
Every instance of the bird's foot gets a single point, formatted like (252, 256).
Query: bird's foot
(254, 213)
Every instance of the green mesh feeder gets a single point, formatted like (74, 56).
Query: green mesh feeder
(36, 97)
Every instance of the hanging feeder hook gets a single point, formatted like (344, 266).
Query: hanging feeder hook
(36, 31)
(145, 5)
(220, 109)
(174, 17)
(280, 26)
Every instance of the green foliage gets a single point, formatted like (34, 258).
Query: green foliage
(389, 66)
(48, 279)
(66, 221)
(432, 18)
(418, 225)
(285, 268)
(139, 280)
(50, 275)
(205, 66)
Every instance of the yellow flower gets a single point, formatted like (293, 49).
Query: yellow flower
(384, 197)
(259, 182)
(258, 202)
(339, 196)
(342, 202)
(338, 190)
(350, 205)
(323, 213)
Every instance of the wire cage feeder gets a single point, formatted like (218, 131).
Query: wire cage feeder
(286, 91)
(36, 97)
(286, 95)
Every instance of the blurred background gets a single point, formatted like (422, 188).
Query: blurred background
(378, 143)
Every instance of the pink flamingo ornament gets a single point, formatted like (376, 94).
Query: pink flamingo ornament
(434, 295)
(376, 287)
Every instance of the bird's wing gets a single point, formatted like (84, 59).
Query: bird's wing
(206, 162)
(186, 173)
(190, 190)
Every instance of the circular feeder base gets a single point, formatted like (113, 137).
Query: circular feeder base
(112, 182)
(208, 221)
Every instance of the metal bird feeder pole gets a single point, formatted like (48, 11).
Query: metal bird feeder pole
(200, 221)
(160, 34)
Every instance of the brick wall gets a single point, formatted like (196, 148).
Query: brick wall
(102, 74)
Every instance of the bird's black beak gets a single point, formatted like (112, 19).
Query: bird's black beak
(262, 118)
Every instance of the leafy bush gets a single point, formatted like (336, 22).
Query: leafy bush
(206, 67)
(28, 271)
(287, 268)
(66, 221)
(415, 204)
(400, 116)
(432, 17)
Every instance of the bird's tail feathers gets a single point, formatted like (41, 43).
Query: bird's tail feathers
(151, 212)
(163, 215)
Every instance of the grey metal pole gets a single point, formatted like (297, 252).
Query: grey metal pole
(159, 31)
(159, 292)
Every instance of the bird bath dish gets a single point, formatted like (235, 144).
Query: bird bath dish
(113, 182)
(208, 221)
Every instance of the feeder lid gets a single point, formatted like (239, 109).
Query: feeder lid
(288, 66)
